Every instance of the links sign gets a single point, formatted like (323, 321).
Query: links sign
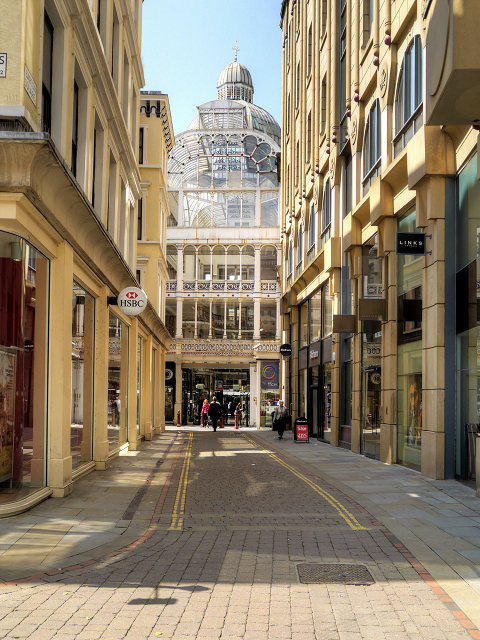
(132, 301)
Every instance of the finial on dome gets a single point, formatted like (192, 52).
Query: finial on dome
(236, 48)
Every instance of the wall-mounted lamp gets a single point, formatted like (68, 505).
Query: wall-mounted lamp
(16, 251)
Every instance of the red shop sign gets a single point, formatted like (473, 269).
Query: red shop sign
(301, 432)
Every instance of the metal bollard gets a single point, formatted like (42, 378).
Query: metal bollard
(178, 418)
(236, 420)
(221, 422)
(201, 419)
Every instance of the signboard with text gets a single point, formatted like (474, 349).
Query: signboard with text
(269, 373)
(410, 244)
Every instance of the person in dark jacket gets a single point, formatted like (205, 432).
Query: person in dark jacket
(280, 418)
(214, 411)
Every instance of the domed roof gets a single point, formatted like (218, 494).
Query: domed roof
(235, 73)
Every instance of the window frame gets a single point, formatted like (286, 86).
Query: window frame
(372, 140)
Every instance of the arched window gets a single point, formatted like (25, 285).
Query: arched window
(248, 263)
(172, 261)
(371, 148)
(189, 263)
(204, 267)
(233, 263)
(218, 263)
(409, 98)
(326, 214)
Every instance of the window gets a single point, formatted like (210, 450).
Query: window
(47, 74)
(323, 105)
(97, 165)
(287, 187)
(326, 214)
(371, 149)
(343, 74)
(367, 20)
(309, 137)
(290, 263)
(189, 263)
(324, 16)
(347, 185)
(297, 162)
(75, 128)
(409, 99)
(299, 266)
(297, 97)
(312, 225)
(309, 51)
(140, 219)
(140, 145)
(288, 115)
(268, 263)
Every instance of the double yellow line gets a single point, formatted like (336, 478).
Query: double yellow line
(346, 515)
(181, 496)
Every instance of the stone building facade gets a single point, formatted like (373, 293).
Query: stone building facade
(380, 139)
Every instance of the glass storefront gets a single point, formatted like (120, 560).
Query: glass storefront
(409, 352)
(24, 281)
(83, 356)
(139, 382)
(118, 334)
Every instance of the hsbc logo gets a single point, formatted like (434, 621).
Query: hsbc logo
(132, 301)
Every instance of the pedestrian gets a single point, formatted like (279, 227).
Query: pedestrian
(214, 411)
(280, 418)
(238, 413)
(231, 408)
(225, 413)
(204, 413)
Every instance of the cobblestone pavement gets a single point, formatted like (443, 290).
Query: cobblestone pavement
(231, 518)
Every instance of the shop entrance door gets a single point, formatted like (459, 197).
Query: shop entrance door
(371, 390)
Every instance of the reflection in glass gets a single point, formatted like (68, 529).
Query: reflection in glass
(268, 263)
(315, 317)
(24, 276)
(409, 412)
(117, 382)
(188, 318)
(203, 318)
(232, 319)
(83, 349)
(304, 325)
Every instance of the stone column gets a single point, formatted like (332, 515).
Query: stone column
(100, 448)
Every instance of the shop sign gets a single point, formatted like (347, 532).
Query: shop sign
(314, 354)
(344, 324)
(410, 244)
(372, 350)
(301, 430)
(371, 308)
(3, 65)
(286, 350)
(269, 373)
(132, 301)
(30, 86)
(303, 358)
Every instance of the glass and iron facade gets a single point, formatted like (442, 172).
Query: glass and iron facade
(222, 302)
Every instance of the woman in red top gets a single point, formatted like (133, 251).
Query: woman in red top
(204, 417)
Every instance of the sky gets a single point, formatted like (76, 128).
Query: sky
(187, 43)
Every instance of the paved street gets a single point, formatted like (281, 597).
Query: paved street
(203, 535)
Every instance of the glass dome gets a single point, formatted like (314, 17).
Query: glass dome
(235, 82)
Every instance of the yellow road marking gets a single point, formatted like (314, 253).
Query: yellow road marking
(181, 495)
(346, 515)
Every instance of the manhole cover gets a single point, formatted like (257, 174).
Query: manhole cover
(334, 574)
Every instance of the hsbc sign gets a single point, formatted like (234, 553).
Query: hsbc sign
(132, 301)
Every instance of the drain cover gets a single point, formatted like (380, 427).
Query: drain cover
(334, 574)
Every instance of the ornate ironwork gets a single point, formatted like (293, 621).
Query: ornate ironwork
(171, 286)
(203, 286)
(233, 286)
(248, 286)
(218, 286)
(268, 286)
(189, 286)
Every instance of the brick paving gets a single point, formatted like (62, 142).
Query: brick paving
(219, 558)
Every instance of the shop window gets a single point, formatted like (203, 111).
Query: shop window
(316, 317)
(326, 215)
(118, 336)
(139, 383)
(83, 352)
(268, 319)
(409, 99)
(268, 263)
(24, 278)
(371, 148)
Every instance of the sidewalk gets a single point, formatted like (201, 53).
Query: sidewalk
(437, 521)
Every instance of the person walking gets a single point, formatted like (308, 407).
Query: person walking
(238, 413)
(225, 413)
(204, 413)
(280, 418)
(214, 411)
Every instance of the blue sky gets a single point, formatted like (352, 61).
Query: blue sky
(187, 43)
